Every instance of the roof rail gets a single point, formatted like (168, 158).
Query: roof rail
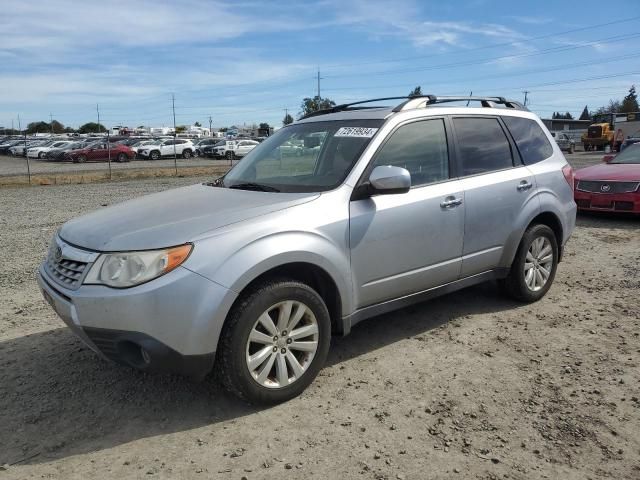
(488, 102)
(347, 106)
(417, 101)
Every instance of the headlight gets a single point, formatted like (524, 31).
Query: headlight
(127, 269)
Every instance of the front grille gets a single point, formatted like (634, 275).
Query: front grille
(583, 203)
(68, 273)
(607, 187)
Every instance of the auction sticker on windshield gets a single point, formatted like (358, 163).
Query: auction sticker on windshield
(356, 132)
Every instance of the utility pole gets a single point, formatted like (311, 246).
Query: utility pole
(51, 121)
(319, 78)
(210, 129)
(526, 93)
(175, 156)
(98, 110)
(25, 149)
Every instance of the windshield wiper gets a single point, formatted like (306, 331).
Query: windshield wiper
(254, 186)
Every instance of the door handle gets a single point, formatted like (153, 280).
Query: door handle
(450, 202)
(524, 185)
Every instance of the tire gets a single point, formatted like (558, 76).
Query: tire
(230, 155)
(155, 155)
(186, 154)
(40, 155)
(80, 159)
(518, 284)
(122, 158)
(235, 349)
(572, 149)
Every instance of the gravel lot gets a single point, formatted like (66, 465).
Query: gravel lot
(470, 385)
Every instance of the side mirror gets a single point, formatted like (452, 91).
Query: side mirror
(388, 180)
(608, 158)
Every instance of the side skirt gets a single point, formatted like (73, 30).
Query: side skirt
(418, 297)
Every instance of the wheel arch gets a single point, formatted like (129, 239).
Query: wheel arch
(310, 274)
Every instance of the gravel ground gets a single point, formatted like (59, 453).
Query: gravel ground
(18, 165)
(470, 385)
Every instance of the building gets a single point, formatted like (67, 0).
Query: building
(557, 124)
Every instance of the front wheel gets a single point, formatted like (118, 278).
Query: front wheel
(274, 342)
(534, 267)
(155, 155)
(122, 158)
(80, 159)
(186, 154)
(41, 155)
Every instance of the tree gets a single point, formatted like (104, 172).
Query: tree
(38, 127)
(630, 102)
(92, 127)
(264, 126)
(197, 124)
(613, 107)
(416, 92)
(585, 115)
(57, 127)
(287, 119)
(223, 130)
(310, 105)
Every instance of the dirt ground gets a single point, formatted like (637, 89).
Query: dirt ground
(470, 385)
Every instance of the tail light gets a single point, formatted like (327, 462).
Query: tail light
(567, 171)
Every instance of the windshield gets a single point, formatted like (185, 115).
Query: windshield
(628, 155)
(306, 157)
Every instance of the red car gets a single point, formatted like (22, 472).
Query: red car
(98, 152)
(613, 186)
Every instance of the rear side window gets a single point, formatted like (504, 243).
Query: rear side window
(482, 145)
(421, 148)
(530, 139)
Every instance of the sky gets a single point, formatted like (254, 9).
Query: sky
(245, 62)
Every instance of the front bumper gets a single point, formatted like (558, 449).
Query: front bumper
(608, 202)
(169, 324)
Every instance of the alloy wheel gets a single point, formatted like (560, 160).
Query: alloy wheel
(282, 344)
(538, 264)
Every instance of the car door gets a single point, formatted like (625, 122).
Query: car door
(98, 152)
(405, 243)
(498, 188)
(167, 148)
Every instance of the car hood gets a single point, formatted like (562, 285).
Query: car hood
(172, 217)
(622, 172)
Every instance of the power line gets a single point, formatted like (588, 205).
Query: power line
(485, 47)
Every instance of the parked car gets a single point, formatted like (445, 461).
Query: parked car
(564, 141)
(613, 186)
(20, 149)
(4, 147)
(142, 144)
(181, 147)
(98, 152)
(41, 151)
(256, 270)
(58, 154)
(224, 149)
(200, 145)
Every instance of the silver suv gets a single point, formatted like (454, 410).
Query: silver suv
(250, 275)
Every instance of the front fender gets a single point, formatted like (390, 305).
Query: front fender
(238, 267)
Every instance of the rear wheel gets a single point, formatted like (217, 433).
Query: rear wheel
(122, 158)
(80, 159)
(41, 155)
(534, 267)
(274, 342)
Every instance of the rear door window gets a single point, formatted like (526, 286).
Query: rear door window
(530, 139)
(483, 146)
